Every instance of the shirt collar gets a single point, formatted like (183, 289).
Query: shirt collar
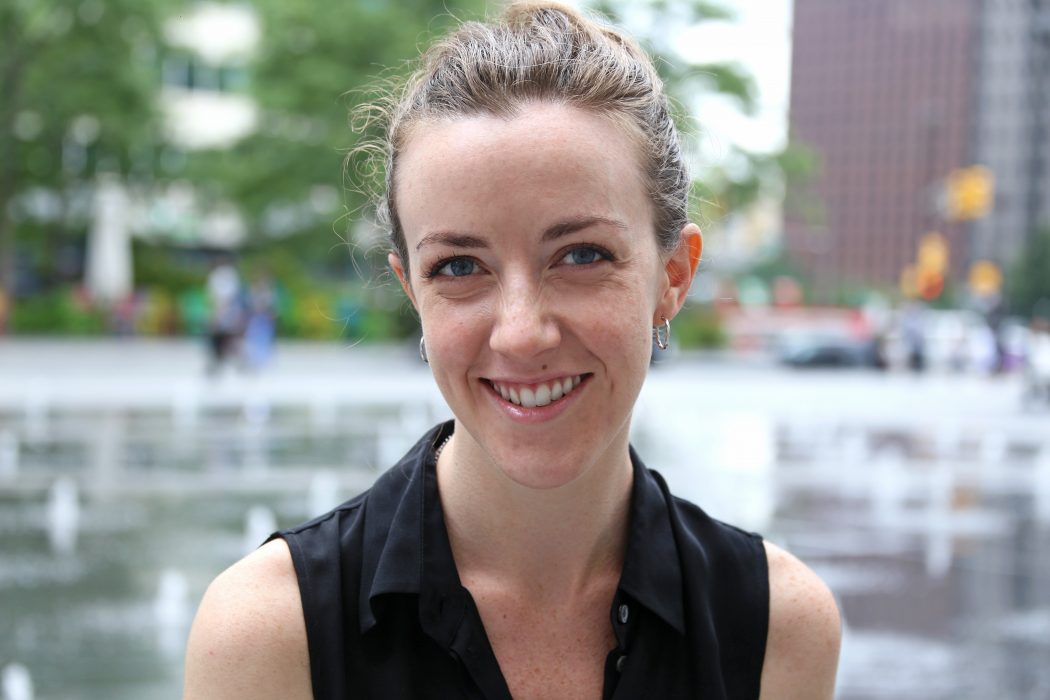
(652, 574)
(406, 542)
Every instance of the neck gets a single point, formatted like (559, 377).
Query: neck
(541, 543)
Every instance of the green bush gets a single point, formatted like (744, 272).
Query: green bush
(56, 313)
(699, 328)
(167, 269)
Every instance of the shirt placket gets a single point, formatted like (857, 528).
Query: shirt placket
(469, 645)
(623, 617)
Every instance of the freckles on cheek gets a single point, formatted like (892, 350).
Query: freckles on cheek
(452, 331)
(622, 340)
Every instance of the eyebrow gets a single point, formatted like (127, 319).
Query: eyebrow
(564, 228)
(555, 231)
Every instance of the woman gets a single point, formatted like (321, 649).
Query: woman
(537, 204)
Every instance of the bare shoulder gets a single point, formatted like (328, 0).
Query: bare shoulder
(249, 638)
(805, 631)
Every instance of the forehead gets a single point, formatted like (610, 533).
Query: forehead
(478, 171)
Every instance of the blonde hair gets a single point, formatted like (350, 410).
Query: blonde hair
(543, 51)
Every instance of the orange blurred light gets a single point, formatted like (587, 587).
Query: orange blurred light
(930, 284)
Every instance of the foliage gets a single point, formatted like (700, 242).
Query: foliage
(698, 327)
(79, 86)
(316, 61)
(170, 269)
(680, 77)
(50, 252)
(1028, 284)
(779, 265)
(746, 176)
(60, 311)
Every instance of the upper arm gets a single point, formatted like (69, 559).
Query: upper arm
(249, 637)
(805, 631)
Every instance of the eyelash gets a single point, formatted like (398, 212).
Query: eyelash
(435, 269)
(603, 254)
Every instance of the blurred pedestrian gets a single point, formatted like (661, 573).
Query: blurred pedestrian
(913, 331)
(1037, 361)
(260, 330)
(226, 320)
(984, 349)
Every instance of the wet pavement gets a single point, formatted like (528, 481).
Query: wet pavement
(128, 479)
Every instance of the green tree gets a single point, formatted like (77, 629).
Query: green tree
(78, 96)
(747, 176)
(315, 61)
(1028, 284)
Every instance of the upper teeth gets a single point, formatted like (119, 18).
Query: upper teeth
(532, 395)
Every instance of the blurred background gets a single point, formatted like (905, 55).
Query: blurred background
(199, 342)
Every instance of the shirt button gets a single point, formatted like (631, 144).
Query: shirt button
(620, 663)
(624, 613)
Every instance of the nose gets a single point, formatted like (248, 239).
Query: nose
(524, 326)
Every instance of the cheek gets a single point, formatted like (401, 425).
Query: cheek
(452, 332)
(616, 326)
(626, 301)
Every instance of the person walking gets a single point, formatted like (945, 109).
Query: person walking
(226, 314)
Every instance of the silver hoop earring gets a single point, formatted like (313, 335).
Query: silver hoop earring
(662, 334)
(423, 351)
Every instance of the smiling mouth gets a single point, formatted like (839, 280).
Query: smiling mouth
(536, 395)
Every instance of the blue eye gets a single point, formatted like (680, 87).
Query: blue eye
(584, 255)
(456, 267)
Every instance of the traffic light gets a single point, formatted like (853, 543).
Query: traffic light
(986, 279)
(969, 193)
(916, 282)
(929, 284)
(933, 252)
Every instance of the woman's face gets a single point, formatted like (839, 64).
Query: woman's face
(536, 273)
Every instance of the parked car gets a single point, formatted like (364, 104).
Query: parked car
(829, 352)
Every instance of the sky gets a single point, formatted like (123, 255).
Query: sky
(760, 39)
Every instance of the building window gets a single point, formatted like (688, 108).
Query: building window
(189, 72)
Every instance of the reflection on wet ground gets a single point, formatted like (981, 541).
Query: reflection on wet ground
(932, 528)
(927, 514)
(941, 567)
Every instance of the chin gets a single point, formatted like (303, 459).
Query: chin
(544, 465)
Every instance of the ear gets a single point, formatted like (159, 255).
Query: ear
(402, 276)
(680, 269)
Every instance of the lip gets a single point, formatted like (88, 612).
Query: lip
(538, 379)
(536, 414)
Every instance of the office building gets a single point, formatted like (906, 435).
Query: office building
(893, 97)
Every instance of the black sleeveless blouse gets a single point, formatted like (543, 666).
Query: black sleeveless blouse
(387, 617)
